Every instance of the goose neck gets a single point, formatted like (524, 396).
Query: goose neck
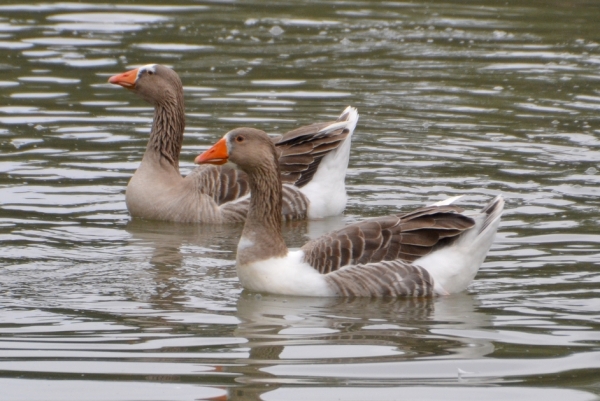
(262, 237)
(166, 136)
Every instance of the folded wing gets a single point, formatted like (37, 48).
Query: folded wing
(404, 237)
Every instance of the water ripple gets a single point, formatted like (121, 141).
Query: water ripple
(454, 99)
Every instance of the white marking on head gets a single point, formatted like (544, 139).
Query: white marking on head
(227, 138)
(148, 68)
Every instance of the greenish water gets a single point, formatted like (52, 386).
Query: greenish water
(466, 98)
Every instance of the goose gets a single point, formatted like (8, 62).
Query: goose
(433, 250)
(313, 160)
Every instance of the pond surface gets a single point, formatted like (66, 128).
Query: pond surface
(473, 98)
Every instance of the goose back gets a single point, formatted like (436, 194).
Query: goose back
(405, 237)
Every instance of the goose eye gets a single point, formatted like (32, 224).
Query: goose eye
(239, 139)
(150, 72)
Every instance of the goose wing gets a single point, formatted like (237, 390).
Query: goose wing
(301, 150)
(294, 206)
(222, 183)
(230, 190)
(394, 278)
(404, 237)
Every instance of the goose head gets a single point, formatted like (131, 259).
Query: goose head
(154, 83)
(247, 148)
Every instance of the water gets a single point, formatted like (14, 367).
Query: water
(456, 98)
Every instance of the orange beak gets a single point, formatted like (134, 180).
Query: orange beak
(218, 154)
(126, 79)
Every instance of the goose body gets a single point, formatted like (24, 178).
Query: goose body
(313, 161)
(434, 250)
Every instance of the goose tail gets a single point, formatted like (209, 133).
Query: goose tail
(455, 266)
(493, 211)
(327, 189)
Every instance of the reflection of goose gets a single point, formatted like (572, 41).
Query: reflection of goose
(174, 254)
(165, 241)
(321, 330)
(285, 333)
(266, 315)
(277, 327)
(313, 161)
(432, 250)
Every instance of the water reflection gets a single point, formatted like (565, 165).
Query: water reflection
(287, 313)
(289, 337)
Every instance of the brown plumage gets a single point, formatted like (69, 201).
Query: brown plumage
(434, 250)
(211, 194)
(405, 237)
(393, 278)
(300, 151)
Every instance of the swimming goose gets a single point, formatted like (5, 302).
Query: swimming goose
(433, 250)
(313, 161)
